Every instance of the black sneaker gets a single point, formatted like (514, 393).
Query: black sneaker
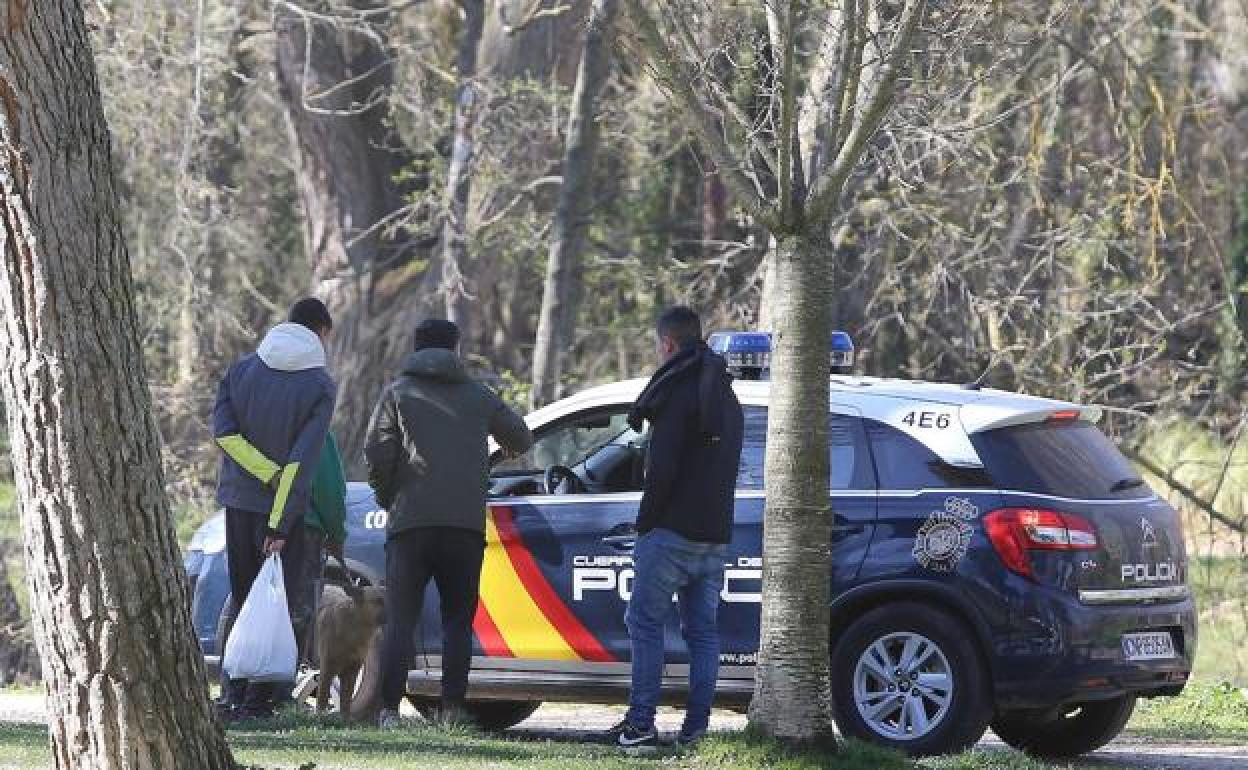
(633, 739)
(688, 738)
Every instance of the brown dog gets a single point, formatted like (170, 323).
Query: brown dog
(346, 622)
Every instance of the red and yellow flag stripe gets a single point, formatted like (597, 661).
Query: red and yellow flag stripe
(520, 615)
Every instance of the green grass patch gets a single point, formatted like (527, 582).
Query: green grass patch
(23, 746)
(1220, 586)
(299, 742)
(1204, 712)
(421, 746)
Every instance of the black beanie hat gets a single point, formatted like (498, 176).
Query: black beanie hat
(312, 313)
(436, 333)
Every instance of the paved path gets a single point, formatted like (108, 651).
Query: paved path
(574, 722)
(569, 722)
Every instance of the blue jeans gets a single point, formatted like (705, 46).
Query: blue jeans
(668, 565)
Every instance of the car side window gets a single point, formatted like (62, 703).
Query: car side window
(903, 462)
(847, 447)
(569, 443)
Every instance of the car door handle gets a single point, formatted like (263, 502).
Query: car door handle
(621, 542)
(848, 529)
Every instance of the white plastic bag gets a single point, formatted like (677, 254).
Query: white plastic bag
(261, 647)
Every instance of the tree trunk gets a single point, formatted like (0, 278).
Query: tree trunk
(791, 692)
(334, 80)
(556, 323)
(455, 291)
(125, 680)
(769, 297)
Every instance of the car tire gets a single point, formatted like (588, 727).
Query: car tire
(492, 715)
(1077, 729)
(942, 704)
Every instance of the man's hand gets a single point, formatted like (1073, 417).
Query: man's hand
(335, 550)
(274, 545)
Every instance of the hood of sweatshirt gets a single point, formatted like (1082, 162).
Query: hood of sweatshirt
(435, 364)
(291, 347)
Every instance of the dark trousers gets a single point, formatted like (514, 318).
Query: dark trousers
(305, 581)
(452, 558)
(244, 542)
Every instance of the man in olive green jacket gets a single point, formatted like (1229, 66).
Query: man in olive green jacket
(428, 462)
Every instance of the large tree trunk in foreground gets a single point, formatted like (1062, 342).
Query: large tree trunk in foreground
(792, 686)
(559, 297)
(125, 679)
(334, 80)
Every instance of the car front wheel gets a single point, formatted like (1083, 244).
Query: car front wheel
(1073, 730)
(909, 677)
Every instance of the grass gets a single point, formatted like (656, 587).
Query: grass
(300, 742)
(23, 746)
(422, 746)
(1205, 712)
(1221, 589)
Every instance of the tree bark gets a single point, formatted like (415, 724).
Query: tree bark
(334, 80)
(560, 295)
(769, 296)
(125, 680)
(792, 685)
(455, 291)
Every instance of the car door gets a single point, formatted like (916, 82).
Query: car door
(558, 567)
(852, 486)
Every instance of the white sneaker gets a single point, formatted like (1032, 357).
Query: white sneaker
(305, 684)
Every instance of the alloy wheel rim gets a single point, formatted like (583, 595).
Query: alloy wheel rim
(903, 686)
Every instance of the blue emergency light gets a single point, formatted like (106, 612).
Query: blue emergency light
(749, 353)
(842, 351)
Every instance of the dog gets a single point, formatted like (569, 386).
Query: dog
(348, 620)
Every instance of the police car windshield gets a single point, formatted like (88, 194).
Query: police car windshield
(1065, 459)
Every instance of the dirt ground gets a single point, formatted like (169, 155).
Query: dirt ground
(568, 720)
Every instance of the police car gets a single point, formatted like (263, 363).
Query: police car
(995, 560)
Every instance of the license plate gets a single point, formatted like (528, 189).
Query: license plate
(1154, 645)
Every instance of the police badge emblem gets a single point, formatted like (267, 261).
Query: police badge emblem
(944, 538)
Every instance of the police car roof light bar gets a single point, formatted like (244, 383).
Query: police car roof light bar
(749, 353)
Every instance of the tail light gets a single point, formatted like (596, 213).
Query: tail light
(1016, 531)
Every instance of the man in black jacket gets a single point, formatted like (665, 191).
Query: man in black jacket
(684, 524)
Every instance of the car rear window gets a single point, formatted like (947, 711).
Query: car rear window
(906, 464)
(1064, 459)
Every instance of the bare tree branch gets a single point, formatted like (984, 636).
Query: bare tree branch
(1186, 491)
(674, 75)
(534, 14)
(789, 24)
(827, 189)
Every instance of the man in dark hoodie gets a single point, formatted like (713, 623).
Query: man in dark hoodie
(270, 419)
(684, 523)
(428, 462)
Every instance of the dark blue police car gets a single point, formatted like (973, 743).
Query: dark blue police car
(995, 561)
